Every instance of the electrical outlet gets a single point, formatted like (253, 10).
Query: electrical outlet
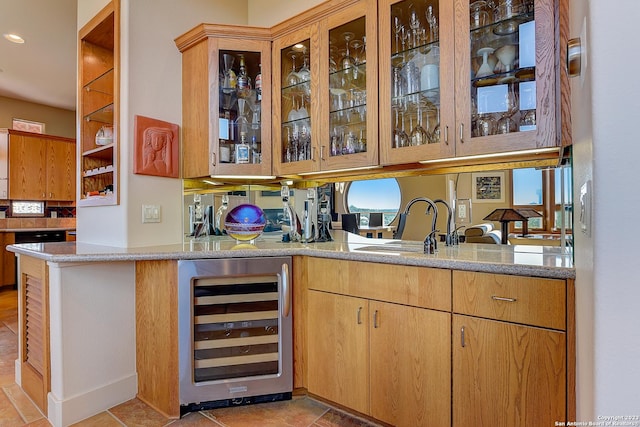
(463, 212)
(150, 213)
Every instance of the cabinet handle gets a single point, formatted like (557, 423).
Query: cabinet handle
(446, 135)
(497, 298)
(462, 133)
(213, 159)
(358, 319)
(321, 152)
(375, 319)
(283, 278)
(462, 336)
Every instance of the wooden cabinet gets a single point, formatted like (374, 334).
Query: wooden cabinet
(417, 97)
(40, 167)
(226, 128)
(99, 86)
(339, 326)
(387, 360)
(506, 77)
(7, 260)
(326, 79)
(34, 339)
(511, 360)
(432, 87)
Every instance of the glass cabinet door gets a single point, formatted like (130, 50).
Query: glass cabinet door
(510, 68)
(295, 146)
(415, 64)
(349, 136)
(238, 121)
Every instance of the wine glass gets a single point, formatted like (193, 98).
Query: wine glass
(292, 78)
(432, 21)
(228, 75)
(400, 137)
(419, 135)
(347, 61)
(415, 25)
(506, 55)
(398, 28)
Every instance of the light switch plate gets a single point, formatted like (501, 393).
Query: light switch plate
(150, 213)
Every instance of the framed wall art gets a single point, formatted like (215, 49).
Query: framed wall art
(488, 187)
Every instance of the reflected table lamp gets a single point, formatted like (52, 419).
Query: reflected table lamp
(506, 215)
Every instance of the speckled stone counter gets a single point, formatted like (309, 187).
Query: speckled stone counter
(525, 260)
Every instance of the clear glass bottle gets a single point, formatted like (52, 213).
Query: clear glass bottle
(242, 149)
(243, 81)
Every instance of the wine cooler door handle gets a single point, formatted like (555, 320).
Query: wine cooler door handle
(283, 278)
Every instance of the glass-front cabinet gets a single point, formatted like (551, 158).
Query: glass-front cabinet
(416, 84)
(350, 98)
(295, 133)
(506, 75)
(226, 116)
(325, 120)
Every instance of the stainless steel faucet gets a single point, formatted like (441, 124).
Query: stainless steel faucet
(430, 244)
(449, 239)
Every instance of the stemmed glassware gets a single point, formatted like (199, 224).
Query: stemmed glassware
(419, 135)
(292, 78)
(400, 137)
(347, 62)
(507, 124)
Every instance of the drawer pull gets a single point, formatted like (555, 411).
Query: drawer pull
(375, 319)
(358, 316)
(462, 336)
(497, 298)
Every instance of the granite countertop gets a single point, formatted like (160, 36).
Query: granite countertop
(525, 260)
(18, 230)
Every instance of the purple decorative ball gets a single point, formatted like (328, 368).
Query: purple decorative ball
(245, 222)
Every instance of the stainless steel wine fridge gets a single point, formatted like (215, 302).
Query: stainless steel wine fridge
(235, 331)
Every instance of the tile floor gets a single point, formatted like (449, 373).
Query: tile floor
(17, 410)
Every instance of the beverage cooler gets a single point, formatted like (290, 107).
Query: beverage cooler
(235, 331)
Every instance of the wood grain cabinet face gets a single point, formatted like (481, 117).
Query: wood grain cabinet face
(506, 372)
(219, 117)
(41, 167)
(507, 375)
(506, 75)
(387, 360)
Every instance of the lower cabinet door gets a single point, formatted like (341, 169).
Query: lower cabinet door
(338, 356)
(410, 365)
(507, 375)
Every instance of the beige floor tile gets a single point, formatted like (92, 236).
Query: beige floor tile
(135, 413)
(42, 422)
(23, 404)
(9, 416)
(298, 412)
(335, 418)
(194, 419)
(103, 419)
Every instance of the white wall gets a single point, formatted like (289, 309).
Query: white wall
(605, 114)
(584, 242)
(266, 13)
(151, 82)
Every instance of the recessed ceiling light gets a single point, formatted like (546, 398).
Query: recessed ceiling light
(14, 38)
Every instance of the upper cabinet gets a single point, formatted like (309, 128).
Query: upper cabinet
(39, 167)
(507, 75)
(361, 84)
(99, 83)
(324, 72)
(466, 78)
(416, 81)
(226, 108)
